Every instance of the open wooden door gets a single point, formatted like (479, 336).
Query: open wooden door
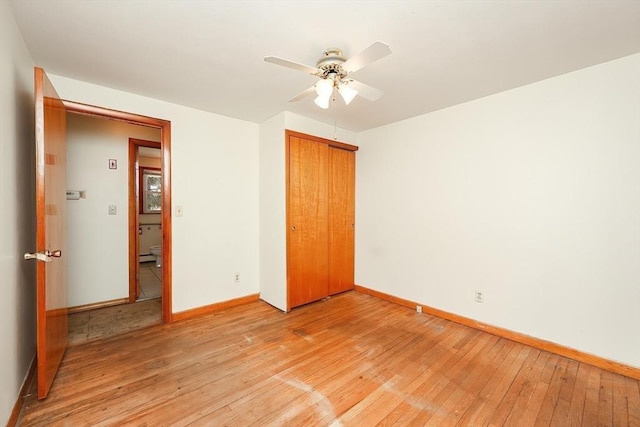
(52, 321)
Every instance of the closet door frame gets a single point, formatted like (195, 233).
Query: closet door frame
(289, 134)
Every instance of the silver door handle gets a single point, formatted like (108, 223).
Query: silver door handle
(54, 254)
(43, 256)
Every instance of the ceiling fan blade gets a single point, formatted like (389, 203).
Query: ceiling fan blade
(304, 94)
(290, 64)
(365, 91)
(374, 52)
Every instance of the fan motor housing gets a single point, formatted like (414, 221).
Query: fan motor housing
(331, 62)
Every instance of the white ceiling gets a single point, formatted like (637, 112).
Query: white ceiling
(209, 54)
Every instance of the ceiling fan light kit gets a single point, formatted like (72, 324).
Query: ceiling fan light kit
(347, 93)
(325, 90)
(325, 87)
(322, 101)
(333, 70)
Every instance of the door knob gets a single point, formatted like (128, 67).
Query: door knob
(293, 228)
(43, 256)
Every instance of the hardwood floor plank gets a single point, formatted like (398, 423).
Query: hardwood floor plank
(476, 373)
(632, 388)
(526, 405)
(576, 406)
(256, 385)
(620, 408)
(530, 411)
(350, 360)
(432, 380)
(459, 376)
(553, 391)
(560, 415)
(316, 401)
(519, 386)
(605, 401)
(435, 392)
(424, 367)
(592, 398)
(493, 391)
(346, 404)
(361, 370)
(246, 408)
(363, 380)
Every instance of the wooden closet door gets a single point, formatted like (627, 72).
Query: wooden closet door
(307, 240)
(342, 180)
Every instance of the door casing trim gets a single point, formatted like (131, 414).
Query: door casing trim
(165, 145)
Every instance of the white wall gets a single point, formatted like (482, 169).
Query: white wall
(214, 167)
(17, 216)
(273, 257)
(531, 196)
(98, 243)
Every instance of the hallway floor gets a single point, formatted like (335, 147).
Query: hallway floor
(107, 322)
(150, 281)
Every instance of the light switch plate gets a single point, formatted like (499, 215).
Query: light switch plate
(113, 209)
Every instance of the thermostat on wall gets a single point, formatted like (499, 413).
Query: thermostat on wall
(73, 195)
(76, 194)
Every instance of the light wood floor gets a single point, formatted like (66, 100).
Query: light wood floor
(352, 360)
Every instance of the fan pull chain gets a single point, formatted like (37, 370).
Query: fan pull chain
(335, 120)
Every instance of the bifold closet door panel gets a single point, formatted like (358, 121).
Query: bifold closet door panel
(342, 181)
(307, 219)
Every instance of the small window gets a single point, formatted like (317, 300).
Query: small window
(150, 190)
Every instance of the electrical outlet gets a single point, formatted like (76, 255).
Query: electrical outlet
(418, 309)
(479, 296)
(236, 278)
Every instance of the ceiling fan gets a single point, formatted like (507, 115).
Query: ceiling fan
(334, 69)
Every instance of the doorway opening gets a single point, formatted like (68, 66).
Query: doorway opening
(165, 211)
(145, 207)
